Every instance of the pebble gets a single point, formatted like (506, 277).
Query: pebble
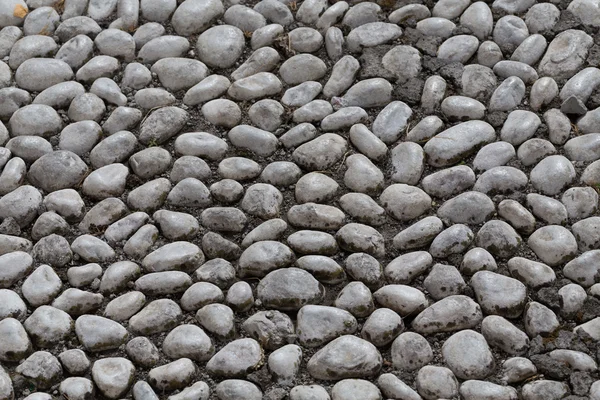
(553, 244)
(403, 299)
(544, 387)
(489, 54)
(17, 344)
(457, 142)
(405, 202)
(244, 18)
(314, 111)
(435, 382)
(501, 180)
(196, 16)
(142, 351)
(403, 269)
(41, 369)
(47, 326)
(539, 320)
(509, 32)
(189, 341)
(74, 361)
(436, 26)
(462, 108)
(228, 363)
(508, 95)
(276, 290)
(474, 389)
(266, 114)
(37, 74)
(561, 170)
(584, 232)
(175, 375)
(573, 42)
(494, 155)
(363, 208)
(468, 355)
(583, 268)
(502, 334)
(323, 268)
(284, 363)
(345, 357)
(382, 327)
(342, 75)
(580, 202)
(450, 241)
(374, 92)
(524, 71)
(257, 141)
(98, 333)
(158, 316)
(272, 329)
(35, 119)
(318, 325)
(450, 314)
(517, 369)
(41, 286)
(301, 94)
(498, 294)
(235, 388)
(519, 127)
(458, 48)
(163, 47)
(125, 306)
(320, 153)
(302, 68)
(391, 121)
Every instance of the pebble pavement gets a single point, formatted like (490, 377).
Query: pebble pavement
(312, 200)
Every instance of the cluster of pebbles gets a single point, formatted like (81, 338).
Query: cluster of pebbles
(272, 199)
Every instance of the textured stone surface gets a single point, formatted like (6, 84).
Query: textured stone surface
(220, 199)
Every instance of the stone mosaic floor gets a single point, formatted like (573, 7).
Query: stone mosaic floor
(301, 200)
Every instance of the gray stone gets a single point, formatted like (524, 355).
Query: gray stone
(220, 46)
(468, 355)
(477, 259)
(457, 142)
(345, 357)
(99, 334)
(583, 269)
(539, 320)
(374, 92)
(450, 314)
(158, 316)
(236, 359)
(573, 43)
(559, 168)
(498, 294)
(435, 382)
(163, 47)
(41, 369)
(489, 54)
(391, 121)
(280, 289)
(175, 375)
(406, 267)
(509, 32)
(113, 376)
(405, 202)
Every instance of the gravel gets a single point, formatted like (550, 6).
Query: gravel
(312, 200)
